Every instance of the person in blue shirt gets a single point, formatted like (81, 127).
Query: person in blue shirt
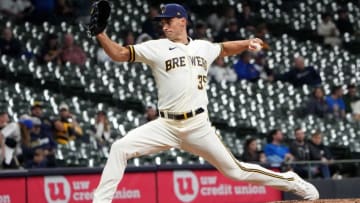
(246, 70)
(300, 74)
(275, 152)
(335, 102)
(47, 131)
(35, 154)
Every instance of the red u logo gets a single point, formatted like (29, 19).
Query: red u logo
(185, 186)
(57, 191)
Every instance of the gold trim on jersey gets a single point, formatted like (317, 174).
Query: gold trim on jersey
(132, 53)
(250, 169)
(221, 49)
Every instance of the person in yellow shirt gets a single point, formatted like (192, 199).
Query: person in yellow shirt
(66, 127)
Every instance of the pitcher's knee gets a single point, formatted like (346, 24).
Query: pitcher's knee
(123, 149)
(118, 147)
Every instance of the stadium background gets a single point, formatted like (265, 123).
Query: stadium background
(238, 109)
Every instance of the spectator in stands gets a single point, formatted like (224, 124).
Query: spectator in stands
(35, 154)
(102, 127)
(217, 20)
(343, 23)
(66, 127)
(12, 136)
(129, 38)
(143, 38)
(71, 52)
(328, 30)
(64, 11)
(251, 152)
(277, 153)
(101, 56)
(246, 70)
(247, 18)
(317, 105)
(200, 32)
(261, 66)
(151, 113)
(9, 45)
(38, 159)
(51, 51)
(319, 152)
(221, 72)
(15, 9)
(46, 123)
(4, 119)
(231, 32)
(46, 132)
(352, 102)
(150, 26)
(300, 74)
(300, 149)
(230, 15)
(81, 10)
(43, 11)
(335, 102)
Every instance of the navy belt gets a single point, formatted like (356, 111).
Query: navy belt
(180, 116)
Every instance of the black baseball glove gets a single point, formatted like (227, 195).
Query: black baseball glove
(99, 14)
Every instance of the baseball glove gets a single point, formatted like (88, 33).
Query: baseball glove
(99, 14)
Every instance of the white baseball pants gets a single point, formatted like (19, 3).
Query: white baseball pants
(194, 135)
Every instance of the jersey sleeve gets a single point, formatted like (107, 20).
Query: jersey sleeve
(213, 50)
(141, 52)
(9, 129)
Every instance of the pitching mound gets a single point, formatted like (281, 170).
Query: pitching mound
(322, 201)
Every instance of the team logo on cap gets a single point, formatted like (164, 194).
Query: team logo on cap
(163, 9)
(178, 13)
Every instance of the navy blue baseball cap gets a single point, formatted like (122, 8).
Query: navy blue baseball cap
(172, 11)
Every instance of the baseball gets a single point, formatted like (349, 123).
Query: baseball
(255, 46)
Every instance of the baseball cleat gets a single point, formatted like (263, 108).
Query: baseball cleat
(302, 188)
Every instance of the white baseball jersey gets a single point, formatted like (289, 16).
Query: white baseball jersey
(180, 74)
(180, 71)
(12, 130)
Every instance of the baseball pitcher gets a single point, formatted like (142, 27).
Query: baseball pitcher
(180, 66)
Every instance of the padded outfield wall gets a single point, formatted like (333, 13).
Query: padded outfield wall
(152, 184)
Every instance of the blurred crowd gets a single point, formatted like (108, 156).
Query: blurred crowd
(31, 140)
(293, 152)
(52, 11)
(217, 27)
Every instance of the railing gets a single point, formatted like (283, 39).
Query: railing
(354, 163)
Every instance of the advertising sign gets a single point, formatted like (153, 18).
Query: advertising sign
(135, 187)
(12, 190)
(210, 187)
